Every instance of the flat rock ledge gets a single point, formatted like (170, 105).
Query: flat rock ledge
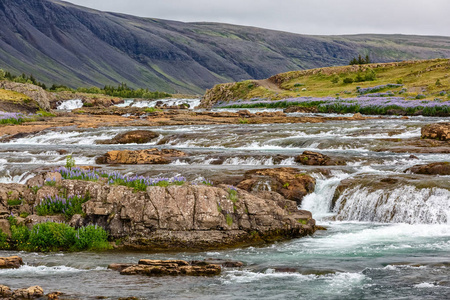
(12, 262)
(167, 268)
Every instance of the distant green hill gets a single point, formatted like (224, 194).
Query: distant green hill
(411, 80)
(66, 44)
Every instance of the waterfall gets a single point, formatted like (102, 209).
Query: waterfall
(319, 202)
(404, 204)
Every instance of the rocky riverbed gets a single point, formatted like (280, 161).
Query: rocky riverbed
(244, 186)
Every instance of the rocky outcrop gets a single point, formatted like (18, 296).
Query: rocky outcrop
(317, 159)
(12, 262)
(149, 156)
(5, 292)
(288, 182)
(169, 268)
(35, 92)
(438, 168)
(182, 217)
(439, 131)
(129, 137)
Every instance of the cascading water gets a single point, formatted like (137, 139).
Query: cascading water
(405, 204)
(70, 104)
(319, 202)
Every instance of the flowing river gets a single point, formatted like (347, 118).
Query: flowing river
(388, 231)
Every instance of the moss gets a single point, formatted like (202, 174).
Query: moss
(229, 220)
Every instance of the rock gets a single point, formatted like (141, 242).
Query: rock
(32, 220)
(171, 268)
(29, 293)
(5, 292)
(136, 136)
(311, 158)
(221, 262)
(5, 227)
(119, 267)
(358, 116)
(53, 176)
(439, 131)
(288, 182)
(149, 156)
(438, 168)
(413, 157)
(54, 295)
(12, 262)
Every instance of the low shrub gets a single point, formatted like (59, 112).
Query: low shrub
(68, 206)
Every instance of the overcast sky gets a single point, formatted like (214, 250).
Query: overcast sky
(325, 17)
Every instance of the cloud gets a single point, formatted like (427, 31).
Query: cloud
(324, 17)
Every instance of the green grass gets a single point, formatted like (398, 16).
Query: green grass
(14, 202)
(50, 236)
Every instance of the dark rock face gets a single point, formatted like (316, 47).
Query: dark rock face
(129, 137)
(438, 168)
(171, 268)
(12, 262)
(317, 159)
(149, 156)
(439, 131)
(288, 182)
(48, 39)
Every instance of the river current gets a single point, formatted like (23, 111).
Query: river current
(383, 241)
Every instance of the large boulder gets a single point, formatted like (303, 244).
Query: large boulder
(439, 131)
(129, 137)
(5, 292)
(438, 168)
(12, 262)
(288, 182)
(149, 156)
(34, 92)
(311, 158)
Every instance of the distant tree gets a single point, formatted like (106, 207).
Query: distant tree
(2, 74)
(360, 60)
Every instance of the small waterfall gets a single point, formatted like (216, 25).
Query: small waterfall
(70, 104)
(319, 202)
(405, 204)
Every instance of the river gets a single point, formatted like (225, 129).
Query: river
(388, 241)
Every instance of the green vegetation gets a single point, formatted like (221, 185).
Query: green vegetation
(70, 161)
(229, 220)
(151, 110)
(243, 121)
(360, 60)
(122, 90)
(428, 77)
(50, 236)
(68, 206)
(14, 202)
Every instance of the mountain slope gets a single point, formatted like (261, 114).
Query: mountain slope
(60, 42)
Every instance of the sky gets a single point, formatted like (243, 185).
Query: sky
(319, 17)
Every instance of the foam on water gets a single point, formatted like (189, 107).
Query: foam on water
(26, 270)
(70, 104)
